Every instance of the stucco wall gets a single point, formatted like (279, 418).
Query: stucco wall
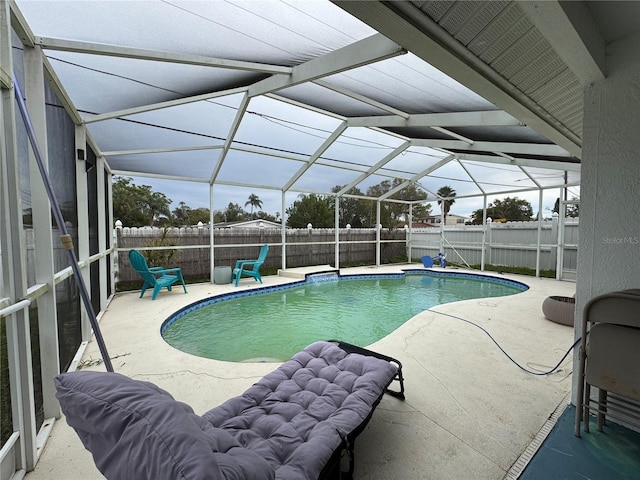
(609, 255)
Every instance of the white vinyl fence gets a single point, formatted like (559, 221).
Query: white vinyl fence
(513, 244)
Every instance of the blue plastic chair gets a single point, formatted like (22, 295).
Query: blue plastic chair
(428, 261)
(156, 277)
(250, 268)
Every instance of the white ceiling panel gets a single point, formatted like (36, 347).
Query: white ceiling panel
(548, 178)
(411, 85)
(279, 125)
(100, 84)
(414, 160)
(121, 134)
(322, 178)
(199, 163)
(362, 146)
(331, 100)
(101, 52)
(450, 175)
(252, 169)
(265, 31)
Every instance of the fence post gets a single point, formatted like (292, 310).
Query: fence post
(486, 240)
(442, 220)
(408, 233)
(336, 226)
(283, 232)
(212, 257)
(560, 237)
(539, 232)
(554, 235)
(378, 232)
(116, 263)
(407, 241)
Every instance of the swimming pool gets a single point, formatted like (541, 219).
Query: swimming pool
(273, 323)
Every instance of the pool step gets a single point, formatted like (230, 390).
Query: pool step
(302, 272)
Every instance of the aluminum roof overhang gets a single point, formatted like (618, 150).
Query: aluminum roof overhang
(303, 96)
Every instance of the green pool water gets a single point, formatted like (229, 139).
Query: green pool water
(274, 325)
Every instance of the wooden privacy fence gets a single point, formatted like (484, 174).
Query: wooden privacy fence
(188, 248)
(509, 244)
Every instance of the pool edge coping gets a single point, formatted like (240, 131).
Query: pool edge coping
(178, 314)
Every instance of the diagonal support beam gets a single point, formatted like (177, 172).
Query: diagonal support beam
(417, 177)
(521, 162)
(470, 175)
(456, 119)
(515, 148)
(56, 85)
(397, 151)
(232, 134)
(454, 135)
(20, 25)
(161, 176)
(157, 106)
(325, 145)
(363, 52)
(147, 151)
(156, 56)
(361, 98)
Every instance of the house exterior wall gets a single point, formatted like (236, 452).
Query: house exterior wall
(609, 257)
(451, 220)
(257, 223)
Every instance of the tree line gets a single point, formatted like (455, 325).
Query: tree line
(514, 209)
(138, 205)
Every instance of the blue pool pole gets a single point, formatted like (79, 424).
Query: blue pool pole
(65, 238)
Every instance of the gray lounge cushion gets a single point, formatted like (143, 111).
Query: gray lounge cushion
(286, 426)
(297, 416)
(135, 430)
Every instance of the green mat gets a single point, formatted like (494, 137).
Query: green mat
(613, 454)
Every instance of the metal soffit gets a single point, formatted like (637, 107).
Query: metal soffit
(293, 96)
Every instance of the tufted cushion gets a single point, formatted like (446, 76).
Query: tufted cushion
(287, 426)
(135, 430)
(297, 416)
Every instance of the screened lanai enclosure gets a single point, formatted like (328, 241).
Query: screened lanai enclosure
(281, 98)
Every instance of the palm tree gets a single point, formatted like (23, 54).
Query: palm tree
(446, 195)
(254, 201)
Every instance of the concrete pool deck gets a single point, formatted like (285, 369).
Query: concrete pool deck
(469, 412)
